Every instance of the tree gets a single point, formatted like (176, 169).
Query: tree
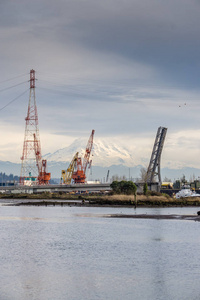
(143, 174)
(124, 187)
(115, 178)
(118, 178)
(166, 179)
(130, 188)
(145, 188)
(115, 187)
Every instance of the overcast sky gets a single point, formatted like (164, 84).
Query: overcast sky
(121, 67)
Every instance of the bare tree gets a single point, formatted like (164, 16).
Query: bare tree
(118, 178)
(166, 179)
(143, 174)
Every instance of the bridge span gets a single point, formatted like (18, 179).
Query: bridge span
(76, 188)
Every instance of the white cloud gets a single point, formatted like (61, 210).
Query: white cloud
(182, 149)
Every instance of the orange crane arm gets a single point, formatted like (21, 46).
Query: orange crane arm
(43, 176)
(37, 154)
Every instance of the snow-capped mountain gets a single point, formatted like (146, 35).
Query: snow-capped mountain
(104, 153)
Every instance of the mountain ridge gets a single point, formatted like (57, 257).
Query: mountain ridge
(100, 173)
(106, 155)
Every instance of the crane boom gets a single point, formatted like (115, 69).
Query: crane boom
(79, 175)
(67, 175)
(38, 155)
(43, 176)
(88, 151)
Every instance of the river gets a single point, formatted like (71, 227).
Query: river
(75, 253)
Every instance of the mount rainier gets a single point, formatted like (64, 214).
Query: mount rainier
(103, 153)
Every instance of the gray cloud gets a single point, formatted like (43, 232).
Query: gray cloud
(116, 66)
(163, 35)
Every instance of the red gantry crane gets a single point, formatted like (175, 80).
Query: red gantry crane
(79, 175)
(43, 176)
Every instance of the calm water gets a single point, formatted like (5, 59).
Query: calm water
(74, 253)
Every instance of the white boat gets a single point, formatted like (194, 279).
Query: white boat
(186, 192)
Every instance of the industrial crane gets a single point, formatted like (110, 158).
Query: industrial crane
(79, 175)
(66, 176)
(43, 176)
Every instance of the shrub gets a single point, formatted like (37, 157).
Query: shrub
(124, 187)
(145, 188)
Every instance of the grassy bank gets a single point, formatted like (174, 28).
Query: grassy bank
(142, 200)
(122, 200)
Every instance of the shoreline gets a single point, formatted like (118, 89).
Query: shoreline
(194, 217)
(63, 199)
(112, 201)
(160, 217)
(149, 202)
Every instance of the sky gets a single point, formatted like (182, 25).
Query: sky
(122, 67)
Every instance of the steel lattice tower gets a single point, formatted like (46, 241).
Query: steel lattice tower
(29, 169)
(154, 165)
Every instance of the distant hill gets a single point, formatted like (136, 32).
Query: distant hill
(10, 168)
(100, 172)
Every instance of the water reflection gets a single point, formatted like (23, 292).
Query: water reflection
(73, 253)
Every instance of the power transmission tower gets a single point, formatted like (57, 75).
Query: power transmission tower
(153, 170)
(29, 168)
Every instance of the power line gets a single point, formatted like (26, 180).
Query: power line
(10, 87)
(13, 100)
(13, 78)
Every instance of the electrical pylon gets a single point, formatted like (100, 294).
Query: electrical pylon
(29, 169)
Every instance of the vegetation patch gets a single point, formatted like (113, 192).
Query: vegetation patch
(130, 198)
(123, 187)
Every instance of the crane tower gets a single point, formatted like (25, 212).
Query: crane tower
(79, 175)
(153, 170)
(32, 166)
(66, 176)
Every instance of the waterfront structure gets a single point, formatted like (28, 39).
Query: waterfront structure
(153, 171)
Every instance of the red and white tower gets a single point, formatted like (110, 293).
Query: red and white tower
(29, 165)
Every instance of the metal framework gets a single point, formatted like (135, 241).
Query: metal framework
(43, 176)
(79, 175)
(66, 176)
(153, 170)
(32, 166)
(28, 166)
